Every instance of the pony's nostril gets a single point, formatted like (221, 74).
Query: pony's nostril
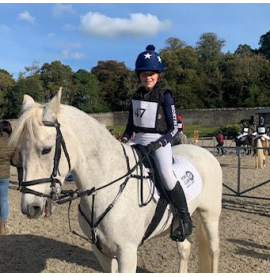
(35, 212)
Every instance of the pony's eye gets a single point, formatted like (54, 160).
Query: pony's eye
(46, 151)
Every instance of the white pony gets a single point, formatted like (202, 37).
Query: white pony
(260, 156)
(97, 161)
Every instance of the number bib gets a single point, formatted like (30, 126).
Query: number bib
(144, 113)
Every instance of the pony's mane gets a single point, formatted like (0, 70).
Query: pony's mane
(28, 125)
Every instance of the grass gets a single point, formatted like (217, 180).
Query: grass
(204, 131)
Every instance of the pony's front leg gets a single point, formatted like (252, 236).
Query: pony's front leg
(127, 259)
(184, 253)
(108, 264)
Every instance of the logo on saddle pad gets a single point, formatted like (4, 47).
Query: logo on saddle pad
(187, 179)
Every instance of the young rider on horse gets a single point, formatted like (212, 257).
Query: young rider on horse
(262, 133)
(152, 117)
(243, 134)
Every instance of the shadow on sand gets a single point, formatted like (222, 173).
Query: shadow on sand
(29, 253)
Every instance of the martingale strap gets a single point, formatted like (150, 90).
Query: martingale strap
(94, 225)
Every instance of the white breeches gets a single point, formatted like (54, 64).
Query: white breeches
(162, 157)
(242, 135)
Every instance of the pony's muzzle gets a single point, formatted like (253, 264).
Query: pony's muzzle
(33, 209)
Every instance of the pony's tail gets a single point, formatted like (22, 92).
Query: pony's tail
(205, 264)
(260, 155)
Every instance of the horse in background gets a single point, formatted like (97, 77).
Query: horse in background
(246, 141)
(260, 154)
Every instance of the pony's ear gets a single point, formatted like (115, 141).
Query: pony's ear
(54, 105)
(27, 101)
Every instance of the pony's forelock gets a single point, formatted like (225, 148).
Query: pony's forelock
(28, 125)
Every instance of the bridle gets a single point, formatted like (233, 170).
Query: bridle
(60, 143)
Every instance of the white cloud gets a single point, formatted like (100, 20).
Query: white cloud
(138, 25)
(25, 16)
(67, 55)
(59, 9)
(4, 29)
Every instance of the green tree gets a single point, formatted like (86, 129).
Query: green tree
(131, 84)
(180, 73)
(265, 45)
(85, 92)
(210, 56)
(30, 85)
(111, 76)
(6, 84)
(32, 70)
(246, 82)
(54, 76)
(209, 47)
(244, 51)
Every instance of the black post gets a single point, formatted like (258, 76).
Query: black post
(239, 170)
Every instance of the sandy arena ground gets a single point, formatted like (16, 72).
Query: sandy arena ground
(46, 245)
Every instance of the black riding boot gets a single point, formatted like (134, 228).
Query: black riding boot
(178, 200)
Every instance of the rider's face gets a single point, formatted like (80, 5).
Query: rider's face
(149, 79)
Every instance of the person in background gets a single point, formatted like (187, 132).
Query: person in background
(262, 121)
(220, 141)
(152, 118)
(181, 138)
(8, 156)
(243, 133)
(262, 133)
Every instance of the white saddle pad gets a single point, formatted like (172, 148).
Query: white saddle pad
(188, 177)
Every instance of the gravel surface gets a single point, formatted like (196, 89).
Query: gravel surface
(46, 245)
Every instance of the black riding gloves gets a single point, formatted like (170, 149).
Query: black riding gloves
(124, 140)
(152, 147)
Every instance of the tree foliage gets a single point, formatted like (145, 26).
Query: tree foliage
(199, 77)
(85, 92)
(265, 45)
(111, 76)
(6, 84)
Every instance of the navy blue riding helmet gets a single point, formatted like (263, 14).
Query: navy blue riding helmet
(149, 60)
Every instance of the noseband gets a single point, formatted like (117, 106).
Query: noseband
(57, 155)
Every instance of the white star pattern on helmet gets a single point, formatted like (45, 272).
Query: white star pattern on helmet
(159, 59)
(147, 56)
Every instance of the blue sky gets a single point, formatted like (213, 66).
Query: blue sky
(80, 35)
